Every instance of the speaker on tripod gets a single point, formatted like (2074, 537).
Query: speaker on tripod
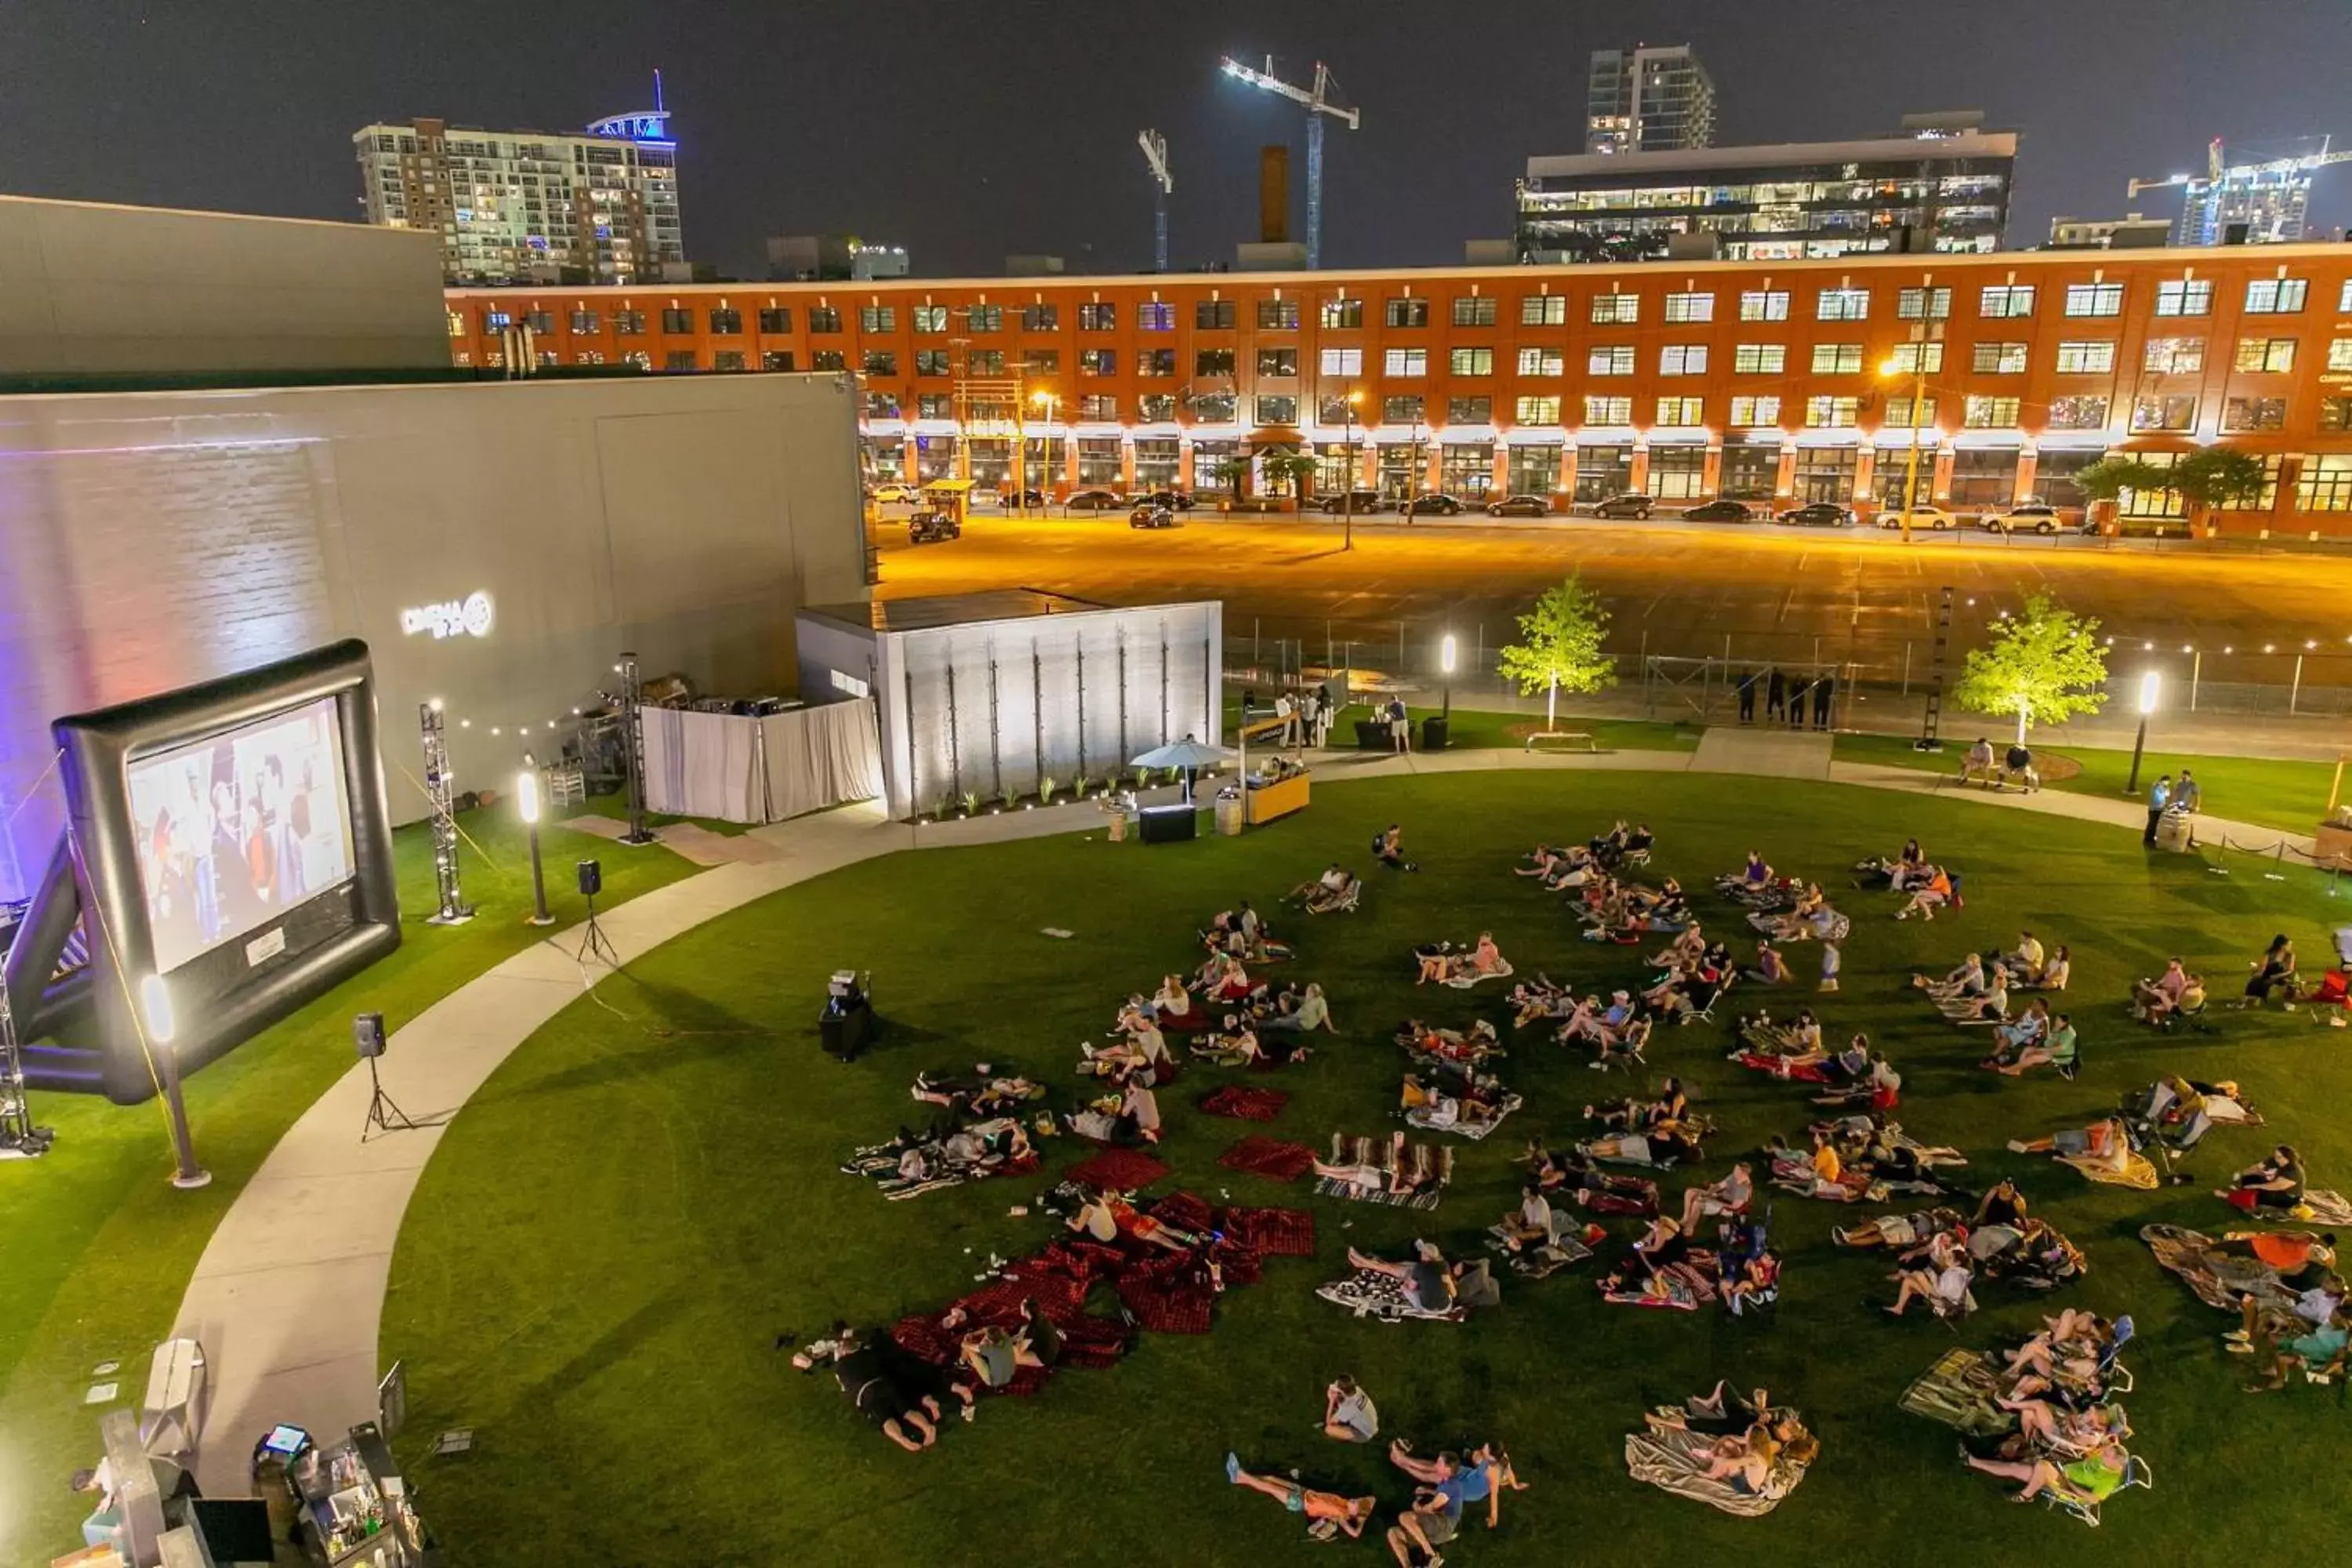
(594, 943)
(383, 1115)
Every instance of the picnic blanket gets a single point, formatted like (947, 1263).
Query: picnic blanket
(1502, 971)
(1959, 1391)
(1245, 1104)
(1268, 1157)
(1419, 1117)
(878, 1162)
(1272, 1233)
(1116, 1170)
(2136, 1173)
(2326, 1207)
(1333, 1187)
(2222, 1279)
(1371, 1294)
(1685, 1288)
(1676, 1460)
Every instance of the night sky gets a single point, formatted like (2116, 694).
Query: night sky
(967, 130)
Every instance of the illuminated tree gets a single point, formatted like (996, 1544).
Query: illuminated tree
(2045, 665)
(1559, 647)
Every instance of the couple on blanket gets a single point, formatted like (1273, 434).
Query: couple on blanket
(1240, 933)
(1446, 965)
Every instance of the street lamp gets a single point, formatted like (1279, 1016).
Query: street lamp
(1892, 367)
(1044, 400)
(527, 806)
(1447, 651)
(1348, 490)
(2151, 686)
(155, 1002)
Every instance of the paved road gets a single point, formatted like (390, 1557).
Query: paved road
(1684, 586)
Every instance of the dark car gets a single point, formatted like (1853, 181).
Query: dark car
(1520, 506)
(1355, 500)
(1722, 511)
(1637, 507)
(1094, 500)
(1150, 516)
(1031, 498)
(932, 527)
(1436, 503)
(1820, 514)
(1175, 501)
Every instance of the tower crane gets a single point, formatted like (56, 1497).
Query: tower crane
(1317, 100)
(1155, 153)
(2269, 195)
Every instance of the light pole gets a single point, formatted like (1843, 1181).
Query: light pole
(1447, 651)
(2151, 686)
(155, 1002)
(527, 807)
(1894, 366)
(1348, 490)
(1044, 400)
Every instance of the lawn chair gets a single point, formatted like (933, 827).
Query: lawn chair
(2136, 1474)
(1341, 904)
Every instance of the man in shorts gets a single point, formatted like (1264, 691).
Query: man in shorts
(1435, 1516)
(1324, 1511)
(906, 1418)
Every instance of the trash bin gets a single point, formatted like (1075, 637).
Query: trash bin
(1372, 735)
(2172, 832)
(1433, 733)
(1118, 826)
(1229, 814)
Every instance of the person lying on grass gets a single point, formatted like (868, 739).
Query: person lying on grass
(1321, 1509)
(1668, 1143)
(1446, 1097)
(1399, 1177)
(1130, 1119)
(905, 1413)
(1348, 1413)
(1108, 1215)
(1898, 1232)
(2104, 1142)
(1426, 1042)
(978, 1096)
(1633, 1113)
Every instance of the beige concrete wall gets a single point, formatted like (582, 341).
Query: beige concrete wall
(151, 540)
(88, 289)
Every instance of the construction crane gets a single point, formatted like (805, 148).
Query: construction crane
(1155, 153)
(1318, 103)
(2269, 197)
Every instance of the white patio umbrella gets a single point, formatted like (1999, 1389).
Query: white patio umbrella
(1187, 754)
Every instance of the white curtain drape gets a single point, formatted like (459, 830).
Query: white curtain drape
(731, 769)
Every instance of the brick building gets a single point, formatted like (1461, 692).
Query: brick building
(1764, 380)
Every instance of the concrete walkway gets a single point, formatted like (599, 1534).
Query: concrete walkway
(287, 1298)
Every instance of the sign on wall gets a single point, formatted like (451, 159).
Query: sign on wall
(469, 617)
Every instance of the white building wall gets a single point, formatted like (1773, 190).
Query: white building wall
(149, 540)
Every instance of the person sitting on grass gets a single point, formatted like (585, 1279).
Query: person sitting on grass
(2012, 1037)
(1173, 1007)
(1964, 979)
(1878, 1085)
(1485, 1474)
(996, 1356)
(2321, 1352)
(1771, 969)
(2058, 1048)
(1221, 980)
(1927, 896)
(1348, 1413)
(2092, 1479)
(2024, 962)
(1428, 1285)
(1144, 1049)
(1387, 848)
(1324, 1510)
(1307, 1012)
(2159, 1000)
(1727, 1198)
(1530, 1223)
(1757, 875)
(2273, 1181)
(1235, 1046)
(1671, 1105)
(1435, 1516)
(1445, 964)
(1990, 1008)
(2273, 971)
(1133, 1118)
(1941, 1279)
(2057, 971)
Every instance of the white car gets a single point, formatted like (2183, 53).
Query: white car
(888, 494)
(2033, 517)
(1933, 518)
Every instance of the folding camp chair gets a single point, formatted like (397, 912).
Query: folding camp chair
(2136, 1474)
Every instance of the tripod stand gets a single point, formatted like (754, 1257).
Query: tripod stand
(594, 943)
(383, 1115)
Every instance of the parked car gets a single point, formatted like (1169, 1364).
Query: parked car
(1150, 516)
(1820, 514)
(894, 493)
(1031, 498)
(1520, 506)
(1094, 500)
(1175, 501)
(1932, 518)
(1631, 505)
(1436, 503)
(932, 527)
(2033, 517)
(1359, 500)
(1723, 511)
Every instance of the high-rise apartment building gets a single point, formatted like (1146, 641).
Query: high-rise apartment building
(1646, 100)
(526, 207)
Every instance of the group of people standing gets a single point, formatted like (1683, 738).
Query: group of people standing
(1785, 698)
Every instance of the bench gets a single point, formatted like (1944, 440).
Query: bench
(1571, 741)
(1999, 776)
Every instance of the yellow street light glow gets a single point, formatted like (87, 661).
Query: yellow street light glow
(527, 794)
(1890, 367)
(1446, 652)
(2151, 685)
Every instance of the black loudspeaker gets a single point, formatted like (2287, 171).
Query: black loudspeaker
(367, 1033)
(592, 879)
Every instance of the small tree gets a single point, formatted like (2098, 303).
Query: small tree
(2044, 666)
(1293, 471)
(1560, 648)
(2217, 477)
(1231, 472)
(2118, 472)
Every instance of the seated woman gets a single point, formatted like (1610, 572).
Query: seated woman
(1771, 969)
(1399, 1177)
(1326, 1510)
(2273, 971)
(2057, 1047)
(2273, 1181)
(1723, 1199)
(1221, 980)
(1689, 946)
(1307, 1012)
(1132, 1118)
(1929, 894)
(2010, 1038)
(996, 1356)
(2093, 1478)
(1235, 1046)
(1458, 966)
(1941, 1279)
(1173, 1009)
(1387, 848)
(2320, 1351)
(1990, 1008)
(1966, 979)
(1348, 1413)
(1584, 1025)
(1909, 866)
(1878, 1085)
(1757, 875)
(2056, 970)
(2157, 1000)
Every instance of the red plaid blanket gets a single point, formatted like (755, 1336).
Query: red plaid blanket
(1269, 1157)
(1272, 1233)
(1120, 1170)
(1245, 1104)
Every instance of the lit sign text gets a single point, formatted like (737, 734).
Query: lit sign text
(468, 616)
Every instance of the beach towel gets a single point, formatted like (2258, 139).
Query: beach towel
(1676, 1460)
(1419, 1117)
(2319, 1206)
(2136, 1173)
(1370, 1294)
(1332, 1187)
(1268, 1157)
(1116, 1170)
(2222, 1279)
(1959, 1391)
(1245, 1104)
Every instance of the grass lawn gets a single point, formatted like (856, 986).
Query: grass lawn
(620, 1223)
(100, 1245)
(616, 806)
(2289, 795)
(1479, 730)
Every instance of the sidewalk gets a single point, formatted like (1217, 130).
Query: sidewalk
(288, 1298)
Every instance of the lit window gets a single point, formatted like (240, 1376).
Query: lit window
(1907, 358)
(930, 318)
(2004, 302)
(1924, 304)
(1405, 362)
(1279, 362)
(1753, 411)
(2185, 297)
(1842, 305)
(2336, 414)
(985, 318)
(1471, 362)
(1543, 361)
(2094, 298)
(1832, 413)
(1156, 316)
(2173, 356)
(880, 362)
(1538, 410)
(1098, 406)
(1041, 318)
(1277, 315)
(2268, 354)
(1402, 409)
(2340, 353)
(1548, 310)
(1763, 305)
(1680, 413)
(2325, 484)
(1683, 308)
(2174, 412)
(877, 318)
(1837, 359)
(1683, 359)
(1098, 361)
(2275, 296)
(1609, 362)
(1281, 410)
(1899, 414)
(1471, 310)
(2255, 413)
(1406, 310)
(1099, 316)
(2078, 414)
(1469, 410)
(2086, 358)
(1999, 358)
(1609, 411)
(1343, 362)
(2344, 297)
(1759, 358)
(1990, 413)
(1615, 310)
(1340, 313)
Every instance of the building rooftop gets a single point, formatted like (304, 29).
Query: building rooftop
(951, 610)
(1631, 167)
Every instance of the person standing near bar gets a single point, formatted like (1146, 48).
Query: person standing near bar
(1824, 688)
(2159, 796)
(1748, 697)
(1796, 704)
(1775, 696)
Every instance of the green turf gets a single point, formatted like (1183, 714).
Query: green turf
(2288, 796)
(1473, 729)
(99, 1247)
(608, 1240)
(616, 806)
